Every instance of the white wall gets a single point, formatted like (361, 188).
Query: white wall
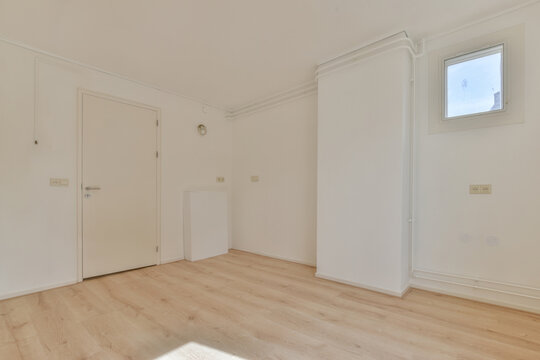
(277, 215)
(462, 243)
(481, 241)
(38, 223)
(363, 152)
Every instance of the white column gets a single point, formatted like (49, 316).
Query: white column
(363, 166)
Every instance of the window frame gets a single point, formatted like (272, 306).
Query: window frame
(462, 43)
(469, 56)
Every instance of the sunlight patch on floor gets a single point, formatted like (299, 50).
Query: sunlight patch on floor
(196, 351)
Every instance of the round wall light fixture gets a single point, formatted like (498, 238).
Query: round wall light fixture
(201, 129)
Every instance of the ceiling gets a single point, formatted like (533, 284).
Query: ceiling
(224, 52)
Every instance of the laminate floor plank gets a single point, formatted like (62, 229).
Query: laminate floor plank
(245, 306)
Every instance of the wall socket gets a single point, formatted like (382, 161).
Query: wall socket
(58, 182)
(220, 179)
(480, 189)
(254, 178)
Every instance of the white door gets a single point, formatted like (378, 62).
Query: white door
(119, 186)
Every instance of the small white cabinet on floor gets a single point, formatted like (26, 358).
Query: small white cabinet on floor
(206, 231)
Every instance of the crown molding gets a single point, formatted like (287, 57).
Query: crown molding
(352, 57)
(276, 99)
(62, 59)
(482, 20)
(396, 41)
(349, 58)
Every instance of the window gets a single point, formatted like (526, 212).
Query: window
(478, 82)
(474, 83)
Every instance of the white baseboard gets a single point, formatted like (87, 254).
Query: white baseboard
(497, 293)
(36, 289)
(166, 261)
(302, 262)
(363, 286)
(57, 285)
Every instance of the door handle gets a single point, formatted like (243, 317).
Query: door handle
(92, 188)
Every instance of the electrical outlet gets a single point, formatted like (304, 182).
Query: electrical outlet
(480, 189)
(254, 178)
(220, 179)
(58, 182)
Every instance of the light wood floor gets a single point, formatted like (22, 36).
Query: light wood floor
(246, 306)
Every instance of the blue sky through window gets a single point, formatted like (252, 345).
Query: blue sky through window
(474, 86)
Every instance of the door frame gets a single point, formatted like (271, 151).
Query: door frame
(80, 93)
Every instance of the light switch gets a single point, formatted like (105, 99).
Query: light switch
(254, 178)
(480, 189)
(220, 179)
(58, 182)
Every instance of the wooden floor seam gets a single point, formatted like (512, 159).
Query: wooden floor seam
(247, 306)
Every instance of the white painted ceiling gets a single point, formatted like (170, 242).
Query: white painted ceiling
(225, 52)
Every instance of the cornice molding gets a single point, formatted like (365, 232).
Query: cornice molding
(352, 57)
(276, 99)
(65, 60)
(396, 41)
(349, 58)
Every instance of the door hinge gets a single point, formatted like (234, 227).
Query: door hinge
(157, 248)
(157, 122)
(157, 154)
